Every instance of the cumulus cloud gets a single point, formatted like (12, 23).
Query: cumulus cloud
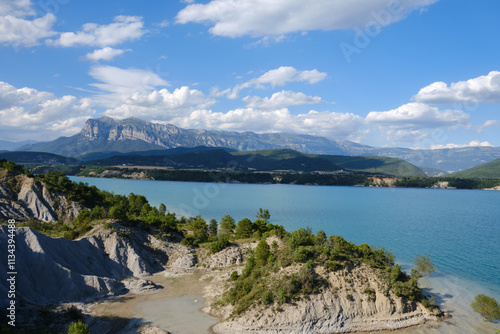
(118, 84)
(29, 113)
(280, 100)
(328, 124)
(416, 116)
(413, 122)
(20, 27)
(474, 143)
(124, 28)
(277, 77)
(106, 53)
(161, 105)
(483, 89)
(260, 18)
(16, 8)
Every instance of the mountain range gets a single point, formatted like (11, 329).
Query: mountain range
(12, 145)
(104, 135)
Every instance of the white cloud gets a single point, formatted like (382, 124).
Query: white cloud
(16, 8)
(285, 74)
(259, 18)
(124, 28)
(488, 124)
(277, 77)
(483, 89)
(29, 113)
(413, 122)
(417, 116)
(161, 104)
(118, 84)
(106, 53)
(328, 124)
(474, 143)
(17, 30)
(280, 100)
(163, 24)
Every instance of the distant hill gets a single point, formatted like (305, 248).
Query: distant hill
(20, 157)
(368, 164)
(122, 157)
(448, 160)
(490, 170)
(12, 145)
(267, 160)
(104, 137)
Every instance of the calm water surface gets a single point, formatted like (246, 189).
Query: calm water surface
(458, 229)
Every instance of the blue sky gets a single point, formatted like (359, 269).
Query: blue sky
(408, 73)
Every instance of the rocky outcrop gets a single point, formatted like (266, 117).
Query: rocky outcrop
(22, 197)
(354, 300)
(229, 256)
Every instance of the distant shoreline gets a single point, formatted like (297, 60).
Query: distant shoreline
(286, 177)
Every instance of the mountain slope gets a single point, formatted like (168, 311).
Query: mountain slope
(490, 170)
(449, 160)
(128, 135)
(369, 164)
(21, 157)
(108, 135)
(11, 145)
(266, 160)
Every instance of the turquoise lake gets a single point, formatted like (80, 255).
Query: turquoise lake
(458, 229)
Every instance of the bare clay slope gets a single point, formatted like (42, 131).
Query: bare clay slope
(51, 271)
(22, 197)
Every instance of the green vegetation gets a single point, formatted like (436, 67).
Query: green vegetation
(244, 229)
(263, 214)
(490, 170)
(266, 160)
(99, 204)
(261, 281)
(219, 244)
(213, 227)
(487, 307)
(9, 165)
(227, 226)
(78, 328)
(423, 266)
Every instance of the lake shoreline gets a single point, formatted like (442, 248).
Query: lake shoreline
(373, 182)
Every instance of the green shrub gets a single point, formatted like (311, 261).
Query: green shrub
(262, 252)
(281, 296)
(487, 307)
(429, 303)
(78, 328)
(267, 298)
(108, 226)
(423, 265)
(219, 244)
(234, 276)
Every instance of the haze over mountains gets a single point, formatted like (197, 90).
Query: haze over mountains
(130, 135)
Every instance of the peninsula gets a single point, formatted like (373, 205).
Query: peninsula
(254, 276)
